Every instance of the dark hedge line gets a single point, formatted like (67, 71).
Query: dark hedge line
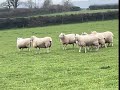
(58, 19)
(106, 6)
(25, 12)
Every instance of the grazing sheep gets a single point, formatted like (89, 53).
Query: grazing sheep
(44, 42)
(66, 39)
(87, 41)
(23, 43)
(108, 37)
(100, 37)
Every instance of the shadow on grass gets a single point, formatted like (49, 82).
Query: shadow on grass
(105, 67)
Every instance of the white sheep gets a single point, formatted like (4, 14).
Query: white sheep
(44, 42)
(87, 41)
(23, 43)
(66, 39)
(108, 36)
(101, 38)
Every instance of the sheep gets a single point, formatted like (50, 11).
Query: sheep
(108, 37)
(100, 37)
(23, 43)
(87, 41)
(44, 42)
(66, 39)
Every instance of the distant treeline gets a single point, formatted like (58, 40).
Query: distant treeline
(58, 19)
(106, 6)
(25, 12)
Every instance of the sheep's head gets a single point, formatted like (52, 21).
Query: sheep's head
(93, 32)
(32, 38)
(84, 33)
(61, 35)
(76, 37)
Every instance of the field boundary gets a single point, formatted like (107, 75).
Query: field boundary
(58, 19)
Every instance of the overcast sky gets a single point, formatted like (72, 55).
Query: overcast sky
(82, 3)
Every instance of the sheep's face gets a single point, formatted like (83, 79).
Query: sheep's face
(76, 38)
(32, 38)
(61, 36)
(93, 32)
(84, 33)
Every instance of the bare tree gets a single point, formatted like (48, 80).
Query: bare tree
(47, 3)
(6, 4)
(67, 5)
(14, 3)
(29, 4)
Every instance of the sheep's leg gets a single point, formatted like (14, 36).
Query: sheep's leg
(48, 50)
(73, 45)
(88, 48)
(105, 46)
(108, 44)
(80, 49)
(97, 48)
(65, 47)
(28, 49)
(38, 50)
(85, 49)
(22, 49)
(100, 45)
(112, 44)
(19, 50)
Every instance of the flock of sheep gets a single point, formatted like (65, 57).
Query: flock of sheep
(94, 40)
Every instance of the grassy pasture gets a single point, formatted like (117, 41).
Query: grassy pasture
(59, 69)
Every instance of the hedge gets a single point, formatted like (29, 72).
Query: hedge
(58, 19)
(106, 6)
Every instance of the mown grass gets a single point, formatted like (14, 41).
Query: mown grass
(59, 69)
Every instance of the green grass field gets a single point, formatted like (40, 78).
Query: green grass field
(59, 69)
